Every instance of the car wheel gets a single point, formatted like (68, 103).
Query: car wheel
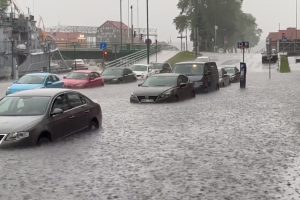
(43, 140)
(94, 125)
(193, 94)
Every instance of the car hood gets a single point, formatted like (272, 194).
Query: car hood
(74, 81)
(150, 91)
(196, 78)
(8, 123)
(21, 87)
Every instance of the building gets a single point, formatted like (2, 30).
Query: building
(66, 39)
(110, 32)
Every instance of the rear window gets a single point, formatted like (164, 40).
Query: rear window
(189, 69)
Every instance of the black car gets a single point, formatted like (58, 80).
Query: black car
(158, 68)
(163, 88)
(118, 75)
(233, 72)
(42, 115)
(204, 75)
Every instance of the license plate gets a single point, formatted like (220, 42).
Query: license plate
(147, 100)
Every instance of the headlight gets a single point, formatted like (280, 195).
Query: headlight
(166, 94)
(17, 136)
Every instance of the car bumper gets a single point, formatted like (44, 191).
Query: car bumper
(134, 99)
(23, 142)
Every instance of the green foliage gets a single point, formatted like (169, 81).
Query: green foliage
(284, 64)
(233, 25)
(182, 57)
(3, 5)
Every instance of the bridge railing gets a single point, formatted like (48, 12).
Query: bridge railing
(132, 58)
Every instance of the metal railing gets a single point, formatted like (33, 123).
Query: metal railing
(132, 58)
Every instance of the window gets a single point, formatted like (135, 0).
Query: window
(127, 71)
(55, 78)
(74, 100)
(96, 75)
(61, 102)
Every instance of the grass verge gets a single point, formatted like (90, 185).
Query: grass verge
(284, 64)
(181, 57)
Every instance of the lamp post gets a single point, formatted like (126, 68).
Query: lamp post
(132, 31)
(216, 28)
(74, 54)
(296, 26)
(121, 26)
(148, 43)
(49, 52)
(12, 59)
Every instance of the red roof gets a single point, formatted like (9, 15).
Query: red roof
(116, 24)
(289, 34)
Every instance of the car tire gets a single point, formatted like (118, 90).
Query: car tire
(93, 125)
(193, 94)
(43, 140)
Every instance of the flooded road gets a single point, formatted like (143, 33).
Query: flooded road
(226, 145)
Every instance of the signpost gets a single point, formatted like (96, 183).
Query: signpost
(103, 46)
(243, 66)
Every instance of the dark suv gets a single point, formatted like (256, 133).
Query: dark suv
(204, 75)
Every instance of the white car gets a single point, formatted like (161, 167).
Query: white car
(79, 64)
(142, 71)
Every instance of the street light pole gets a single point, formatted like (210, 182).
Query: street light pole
(148, 43)
(216, 28)
(121, 26)
(296, 26)
(132, 31)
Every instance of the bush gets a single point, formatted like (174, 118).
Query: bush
(284, 64)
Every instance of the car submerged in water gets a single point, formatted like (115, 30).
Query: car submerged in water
(167, 87)
(44, 115)
(35, 81)
(118, 75)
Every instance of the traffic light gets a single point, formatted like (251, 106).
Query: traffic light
(105, 55)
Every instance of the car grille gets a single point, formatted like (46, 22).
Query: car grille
(1, 138)
(147, 97)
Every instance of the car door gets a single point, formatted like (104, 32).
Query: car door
(183, 91)
(98, 80)
(92, 82)
(208, 76)
(60, 125)
(49, 82)
(57, 83)
(78, 110)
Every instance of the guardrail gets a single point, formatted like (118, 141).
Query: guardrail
(132, 58)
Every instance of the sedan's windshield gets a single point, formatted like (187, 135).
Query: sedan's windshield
(23, 106)
(77, 75)
(160, 81)
(32, 79)
(140, 68)
(113, 72)
(157, 65)
(189, 69)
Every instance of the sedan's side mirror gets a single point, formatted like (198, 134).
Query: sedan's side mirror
(57, 111)
(182, 85)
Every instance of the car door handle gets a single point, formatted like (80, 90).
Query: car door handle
(72, 117)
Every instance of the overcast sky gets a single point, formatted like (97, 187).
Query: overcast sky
(269, 13)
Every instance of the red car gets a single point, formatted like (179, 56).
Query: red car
(83, 79)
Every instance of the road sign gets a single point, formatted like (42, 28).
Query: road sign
(243, 45)
(103, 45)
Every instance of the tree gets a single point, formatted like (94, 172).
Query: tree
(203, 16)
(3, 5)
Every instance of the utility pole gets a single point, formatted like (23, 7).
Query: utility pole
(49, 52)
(186, 39)
(148, 43)
(132, 31)
(121, 26)
(181, 37)
(12, 59)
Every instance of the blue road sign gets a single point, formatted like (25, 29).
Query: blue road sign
(103, 45)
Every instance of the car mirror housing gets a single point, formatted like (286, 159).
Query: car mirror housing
(57, 111)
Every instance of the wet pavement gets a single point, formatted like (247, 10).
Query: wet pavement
(227, 145)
